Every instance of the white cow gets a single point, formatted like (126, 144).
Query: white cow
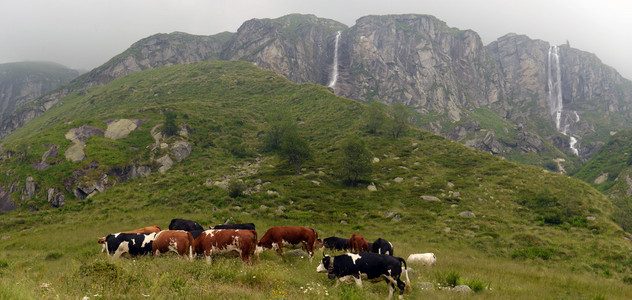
(427, 259)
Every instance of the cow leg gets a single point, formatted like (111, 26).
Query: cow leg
(402, 286)
(391, 289)
(358, 280)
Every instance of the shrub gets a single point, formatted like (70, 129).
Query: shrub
(477, 285)
(627, 279)
(236, 188)
(170, 123)
(451, 278)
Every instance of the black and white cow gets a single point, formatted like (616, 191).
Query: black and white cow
(335, 243)
(371, 266)
(245, 226)
(382, 246)
(186, 225)
(133, 243)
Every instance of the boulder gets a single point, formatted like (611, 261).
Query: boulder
(467, 214)
(30, 188)
(372, 187)
(75, 153)
(120, 128)
(181, 150)
(398, 179)
(430, 198)
(165, 164)
(464, 289)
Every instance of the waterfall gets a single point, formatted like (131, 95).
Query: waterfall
(555, 86)
(334, 70)
(556, 106)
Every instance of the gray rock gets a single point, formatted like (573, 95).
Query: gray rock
(462, 289)
(120, 128)
(430, 199)
(165, 164)
(181, 150)
(296, 253)
(467, 214)
(30, 187)
(398, 180)
(390, 213)
(372, 188)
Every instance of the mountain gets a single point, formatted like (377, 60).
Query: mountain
(98, 162)
(23, 82)
(504, 98)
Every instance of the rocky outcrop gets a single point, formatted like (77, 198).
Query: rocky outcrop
(51, 153)
(120, 128)
(21, 83)
(295, 46)
(417, 60)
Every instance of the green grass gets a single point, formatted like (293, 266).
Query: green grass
(531, 237)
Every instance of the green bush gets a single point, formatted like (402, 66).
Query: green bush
(544, 253)
(236, 188)
(451, 278)
(477, 285)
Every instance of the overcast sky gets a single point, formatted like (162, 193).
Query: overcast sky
(84, 34)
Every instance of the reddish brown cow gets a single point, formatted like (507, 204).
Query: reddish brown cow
(178, 241)
(357, 243)
(217, 241)
(148, 229)
(276, 236)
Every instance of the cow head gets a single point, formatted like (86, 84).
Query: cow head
(327, 265)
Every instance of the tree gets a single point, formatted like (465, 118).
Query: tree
(374, 118)
(354, 160)
(170, 123)
(400, 119)
(279, 124)
(295, 150)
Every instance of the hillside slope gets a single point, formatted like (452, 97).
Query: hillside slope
(432, 194)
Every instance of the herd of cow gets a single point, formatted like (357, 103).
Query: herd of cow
(371, 261)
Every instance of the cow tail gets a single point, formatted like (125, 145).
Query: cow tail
(405, 270)
(191, 241)
(253, 246)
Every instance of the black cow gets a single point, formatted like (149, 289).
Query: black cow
(335, 243)
(196, 233)
(187, 225)
(245, 226)
(382, 246)
(132, 243)
(372, 266)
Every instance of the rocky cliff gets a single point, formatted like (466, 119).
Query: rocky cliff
(494, 98)
(21, 83)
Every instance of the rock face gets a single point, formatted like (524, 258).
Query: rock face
(493, 98)
(21, 83)
(296, 46)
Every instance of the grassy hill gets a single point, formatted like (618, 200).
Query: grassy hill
(533, 234)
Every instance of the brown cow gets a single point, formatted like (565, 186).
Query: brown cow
(220, 241)
(148, 229)
(178, 241)
(357, 243)
(276, 236)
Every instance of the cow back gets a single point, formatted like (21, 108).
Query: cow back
(244, 226)
(358, 243)
(186, 225)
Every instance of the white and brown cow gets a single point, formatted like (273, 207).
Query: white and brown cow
(218, 241)
(278, 236)
(178, 241)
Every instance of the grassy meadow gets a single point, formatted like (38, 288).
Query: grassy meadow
(533, 234)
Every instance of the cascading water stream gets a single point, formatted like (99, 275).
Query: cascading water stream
(556, 105)
(334, 71)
